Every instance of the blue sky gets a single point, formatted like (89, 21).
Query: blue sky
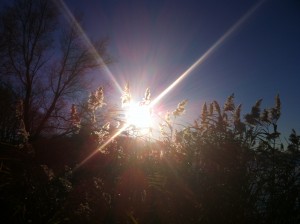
(154, 42)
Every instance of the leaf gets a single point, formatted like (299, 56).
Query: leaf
(126, 96)
(180, 108)
(204, 114)
(147, 98)
(217, 107)
(255, 111)
(265, 116)
(229, 104)
(211, 109)
(253, 117)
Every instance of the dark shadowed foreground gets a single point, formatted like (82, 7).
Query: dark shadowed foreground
(222, 169)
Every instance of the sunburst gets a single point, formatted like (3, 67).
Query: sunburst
(139, 116)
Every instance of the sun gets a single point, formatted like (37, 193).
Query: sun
(139, 115)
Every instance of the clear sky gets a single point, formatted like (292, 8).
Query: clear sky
(153, 42)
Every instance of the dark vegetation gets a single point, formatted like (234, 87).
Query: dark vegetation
(225, 168)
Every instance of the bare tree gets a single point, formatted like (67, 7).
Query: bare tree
(44, 62)
(8, 121)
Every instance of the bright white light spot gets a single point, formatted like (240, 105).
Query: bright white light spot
(139, 115)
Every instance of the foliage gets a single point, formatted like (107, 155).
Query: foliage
(222, 169)
(46, 61)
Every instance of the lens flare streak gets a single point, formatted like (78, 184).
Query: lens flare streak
(176, 82)
(72, 19)
(102, 146)
(217, 44)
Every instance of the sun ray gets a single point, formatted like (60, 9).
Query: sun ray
(217, 44)
(101, 147)
(139, 115)
(61, 4)
(177, 81)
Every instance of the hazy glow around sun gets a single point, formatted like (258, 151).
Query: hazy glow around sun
(139, 115)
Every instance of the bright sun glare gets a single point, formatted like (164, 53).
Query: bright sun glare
(139, 115)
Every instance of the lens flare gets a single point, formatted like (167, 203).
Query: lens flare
(72, 19)
(217, 44)
(139, 115)
(101, 147)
